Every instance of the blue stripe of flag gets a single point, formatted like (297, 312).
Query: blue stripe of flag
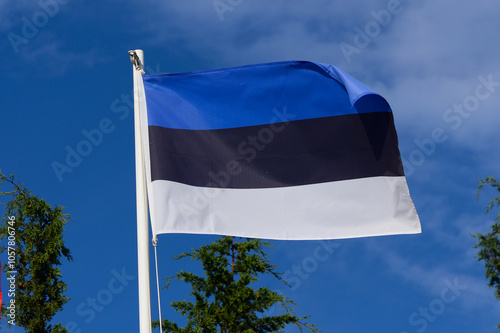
(250, 96)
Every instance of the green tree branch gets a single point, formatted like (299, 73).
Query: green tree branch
(488, 244)
(224, 299)
(34, 237)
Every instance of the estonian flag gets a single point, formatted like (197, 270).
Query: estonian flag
(287, 150)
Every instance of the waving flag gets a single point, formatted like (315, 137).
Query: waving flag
(287, 150)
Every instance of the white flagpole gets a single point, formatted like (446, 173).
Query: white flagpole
(137, 58)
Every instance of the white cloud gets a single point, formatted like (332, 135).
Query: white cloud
(11, 13)
(51, 56)
(430, 279)
(257, 30)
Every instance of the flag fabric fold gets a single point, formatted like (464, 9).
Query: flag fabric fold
(287, 150)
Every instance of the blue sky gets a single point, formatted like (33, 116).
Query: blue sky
(66, 71)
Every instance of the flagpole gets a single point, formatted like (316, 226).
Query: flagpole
(137, 58)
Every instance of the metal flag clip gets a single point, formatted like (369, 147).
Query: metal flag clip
(136, 61)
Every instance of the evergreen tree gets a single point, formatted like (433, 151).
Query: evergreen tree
(35, 245)
(489, 243)
(224, 299)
